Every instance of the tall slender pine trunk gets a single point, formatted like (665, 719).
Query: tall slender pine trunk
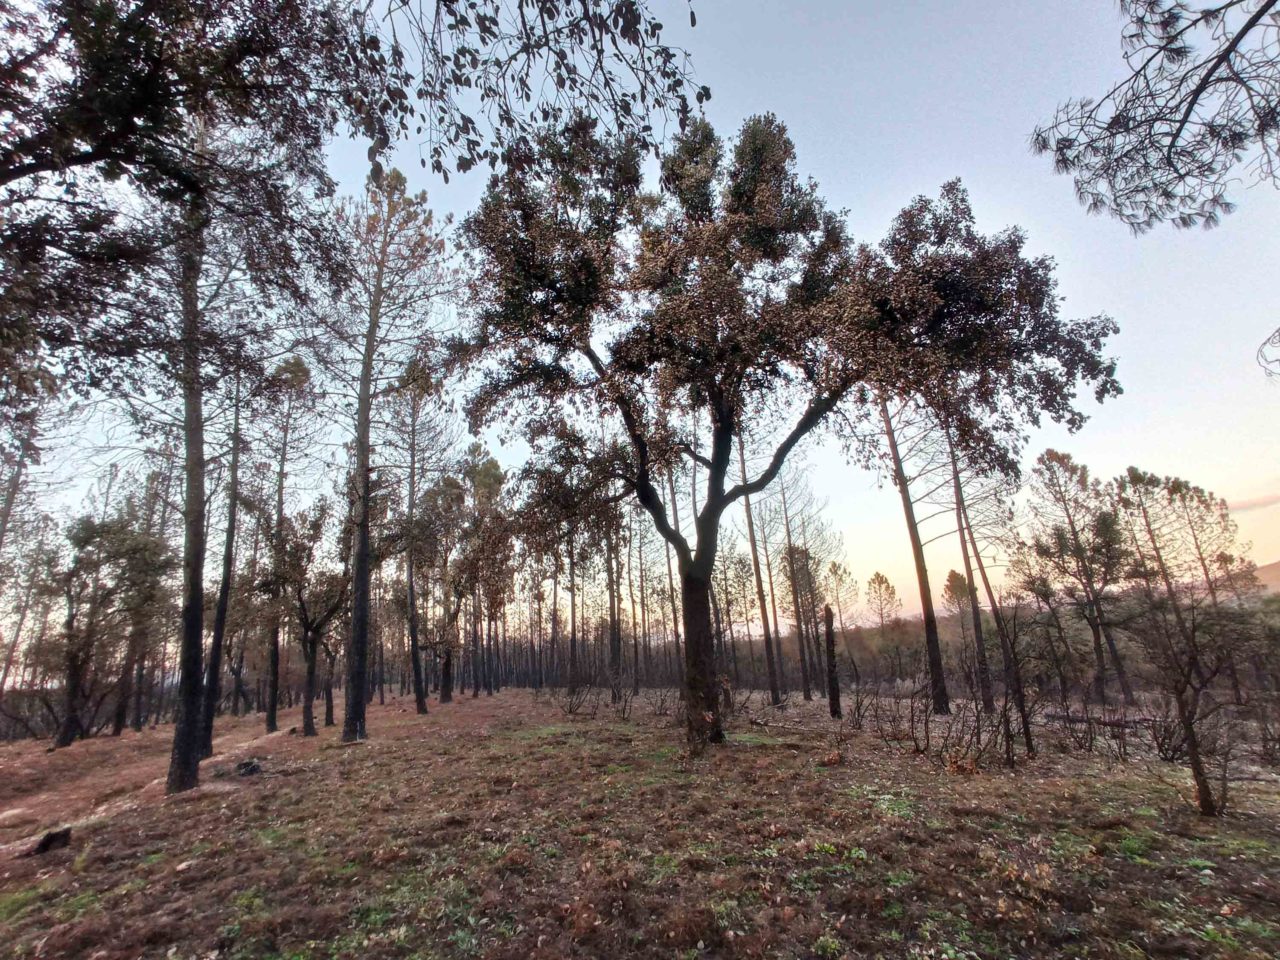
(795, 600)
(933, 646)
(411, 596)
(184, 761)
(353, 721)
(975, 609)
(213, 675)
(1009, 657)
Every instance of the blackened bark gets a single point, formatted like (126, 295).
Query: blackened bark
(1122, 675)
(353, 721)
(795, 600)
(310, 651)
(129, 675)
(446, 675)
(1099, 659)
(277, 578)
(615, 631)
(476, 661)
(213, 675)
(933, 647)
(1009, 656)
(573, 622)
(411, 598)
(979, 643)
(775, 695)
(833, 679)
(78, 652)
(1188, 707)
(701, 688)
(139, 674)
(675, 616)
(13, 486)
(184, 762)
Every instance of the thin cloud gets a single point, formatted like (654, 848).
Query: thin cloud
(1255, 503)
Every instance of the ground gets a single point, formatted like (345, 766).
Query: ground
(502, 827)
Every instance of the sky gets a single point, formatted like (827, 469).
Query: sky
(889, 101)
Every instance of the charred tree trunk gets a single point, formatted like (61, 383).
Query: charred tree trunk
(833, 679)
(775, 694)
(353, 721)
(1122, 674)
(328, 690)
(933, 647)
(129, 676)
(1009, 656)
(184, 762)
(310, 652)
(78, 653)
(615, 632)
(1188, 707)
(975, 609)
(446, 674)
(476, 660)
(701, 689)
(213, 674)
(1099, 657)
(795, 600)
(411, 597)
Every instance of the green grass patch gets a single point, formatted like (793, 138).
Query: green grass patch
(544, 731)
(1134, 847)
(14, 905)
(899, 878)
(757, 739)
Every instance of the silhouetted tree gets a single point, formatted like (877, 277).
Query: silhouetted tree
(1198, 101)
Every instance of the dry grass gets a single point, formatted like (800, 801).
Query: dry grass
(501, 828)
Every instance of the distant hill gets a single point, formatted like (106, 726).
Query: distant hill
(1269, 577)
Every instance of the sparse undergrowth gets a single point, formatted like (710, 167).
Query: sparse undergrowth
(499, 828)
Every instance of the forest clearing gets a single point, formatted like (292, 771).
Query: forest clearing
(503, 827)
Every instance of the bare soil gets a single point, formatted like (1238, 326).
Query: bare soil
(500, 827)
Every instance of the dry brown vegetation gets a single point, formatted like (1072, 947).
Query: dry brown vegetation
(503, 828)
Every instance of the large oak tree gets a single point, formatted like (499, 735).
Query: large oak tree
(733, 306)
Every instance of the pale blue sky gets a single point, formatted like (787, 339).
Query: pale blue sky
(886, 101)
